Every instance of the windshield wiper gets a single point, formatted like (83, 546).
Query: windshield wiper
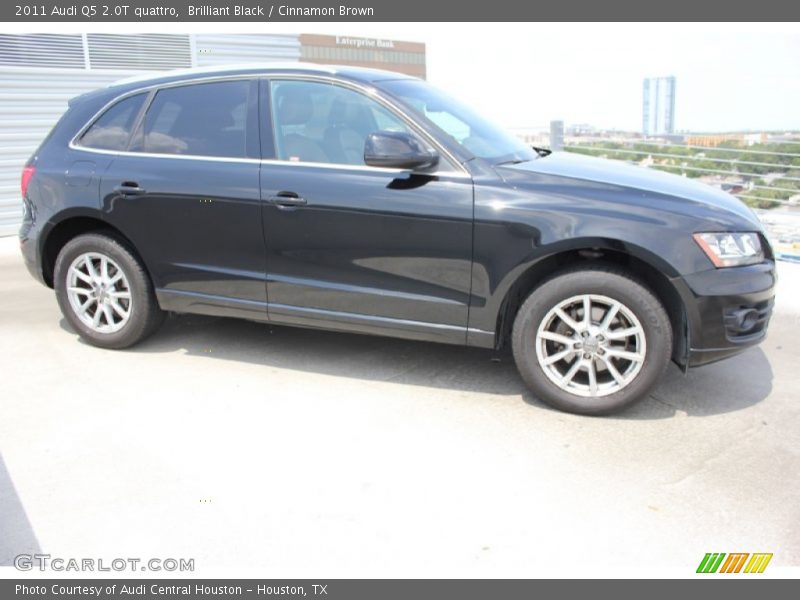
(542, 151)
(513, 161)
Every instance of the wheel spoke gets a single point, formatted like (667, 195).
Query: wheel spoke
(118, 309)
(614, 372)
(104, 268)
(96, 318)
(85, 306)
(609, 317)
(81, 275)
(557, 337)
(117, 276)
(570, 375)
(569, 321)
(108, 315)
(79, 290)
(632, 356)
(120, 295)
(592, 377)
(587, 311)
(621, 334)
(90, 268)
(554, 358)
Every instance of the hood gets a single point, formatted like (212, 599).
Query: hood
(616, 173)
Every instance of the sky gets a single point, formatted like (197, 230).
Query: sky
(735, 76)
(729, 77)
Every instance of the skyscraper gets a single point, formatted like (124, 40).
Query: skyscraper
(658, 106)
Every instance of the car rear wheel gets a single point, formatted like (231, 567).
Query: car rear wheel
(104, 292)
(591, 340)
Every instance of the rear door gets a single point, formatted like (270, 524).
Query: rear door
(186, 192)
(357, 247)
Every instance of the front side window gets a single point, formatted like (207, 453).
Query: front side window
(325, 123)
(206, 119)
(112, 129)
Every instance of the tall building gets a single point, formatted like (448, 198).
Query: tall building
(658, 106)
(556, 135)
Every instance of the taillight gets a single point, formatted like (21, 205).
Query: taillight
(27, 174)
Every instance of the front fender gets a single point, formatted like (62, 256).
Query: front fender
(526, 233)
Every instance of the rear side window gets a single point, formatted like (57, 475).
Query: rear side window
(112, 129)
(208, 119)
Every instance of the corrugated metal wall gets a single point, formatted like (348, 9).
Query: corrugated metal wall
(43, 50)
(147, 51)
(31, 101)
(34, 92)
(226, 49)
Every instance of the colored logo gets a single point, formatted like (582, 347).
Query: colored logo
(736, 562)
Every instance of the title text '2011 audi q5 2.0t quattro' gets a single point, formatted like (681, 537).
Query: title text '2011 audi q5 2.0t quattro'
(371, 202)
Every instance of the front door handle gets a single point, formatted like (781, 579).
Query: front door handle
(287, 199)
(129, 188)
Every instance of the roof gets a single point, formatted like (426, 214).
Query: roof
(361, 74)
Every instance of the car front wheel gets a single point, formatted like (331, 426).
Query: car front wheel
(591, 341)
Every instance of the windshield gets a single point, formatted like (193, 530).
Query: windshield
(481, 137)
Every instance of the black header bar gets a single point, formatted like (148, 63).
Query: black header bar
(259, 11)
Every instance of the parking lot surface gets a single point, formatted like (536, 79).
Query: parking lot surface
(308, 453)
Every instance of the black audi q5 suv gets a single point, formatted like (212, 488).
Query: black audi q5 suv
(371, 202)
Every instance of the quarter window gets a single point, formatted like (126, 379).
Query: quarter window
(112, 129)
(207, 119)
(325, 123)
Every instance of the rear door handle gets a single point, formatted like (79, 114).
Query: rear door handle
(129, 188)
(287, 199)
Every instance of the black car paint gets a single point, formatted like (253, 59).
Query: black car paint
(400, 255)
(424, 256)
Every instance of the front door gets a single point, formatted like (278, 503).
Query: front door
(356, 247)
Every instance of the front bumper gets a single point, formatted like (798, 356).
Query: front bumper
(715, 300)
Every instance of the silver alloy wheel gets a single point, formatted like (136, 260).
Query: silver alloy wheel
(99, 293)
(591, 345)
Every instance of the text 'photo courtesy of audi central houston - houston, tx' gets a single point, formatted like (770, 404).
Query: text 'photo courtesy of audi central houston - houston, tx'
(367, 201)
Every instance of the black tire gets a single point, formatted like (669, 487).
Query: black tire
(145, 314)
(600, 280)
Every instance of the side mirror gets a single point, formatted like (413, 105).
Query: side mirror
(397, 150)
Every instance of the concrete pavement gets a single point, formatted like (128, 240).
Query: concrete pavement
(290, 452)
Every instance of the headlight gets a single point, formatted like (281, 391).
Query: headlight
(731, 249)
